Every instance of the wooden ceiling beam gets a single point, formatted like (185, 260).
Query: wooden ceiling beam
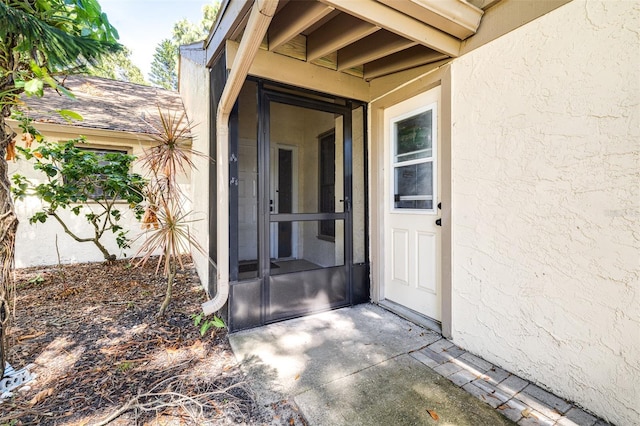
(376, 46)
(409, 58)
(454, 17)
(397, 22)
(483, 4)
(293, 19)
(280, 68)
(339, 32)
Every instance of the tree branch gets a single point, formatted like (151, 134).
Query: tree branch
(69, 231)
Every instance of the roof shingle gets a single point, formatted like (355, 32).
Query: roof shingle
(106, 104)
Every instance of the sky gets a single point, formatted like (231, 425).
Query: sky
(142, 24)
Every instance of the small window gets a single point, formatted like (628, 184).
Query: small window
(413, 165)
(327, 179)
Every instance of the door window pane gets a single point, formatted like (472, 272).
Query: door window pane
(413, 160)
(414, 137)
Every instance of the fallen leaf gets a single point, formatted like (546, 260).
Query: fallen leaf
(41, 396)
(297, 377)
(291, 421)
(433, 415)
(526, 412)
(197, 346)
(30, 336)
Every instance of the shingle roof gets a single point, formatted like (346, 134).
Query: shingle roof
(106, 104)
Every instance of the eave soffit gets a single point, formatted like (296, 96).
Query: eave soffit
(363, 38)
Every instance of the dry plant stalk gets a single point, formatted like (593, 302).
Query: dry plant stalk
(165, 220)
(193, 404)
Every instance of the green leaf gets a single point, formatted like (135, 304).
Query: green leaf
(37, 70)
(39, 217)
(70, 115)
(218, 322)
(65, 92)
(50, 171)
(205, 327)
(197, 319)
(34, 87)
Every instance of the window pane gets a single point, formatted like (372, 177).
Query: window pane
(413, 137)
(414, 186)
(415, 204)
(424, 182)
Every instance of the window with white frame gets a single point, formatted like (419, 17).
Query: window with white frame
(414, 155)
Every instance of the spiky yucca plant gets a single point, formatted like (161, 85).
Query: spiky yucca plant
(165, 219)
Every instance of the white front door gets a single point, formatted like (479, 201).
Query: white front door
(412, 187)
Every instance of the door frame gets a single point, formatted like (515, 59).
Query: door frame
(264, 298)
(378, 167)
(265, 97)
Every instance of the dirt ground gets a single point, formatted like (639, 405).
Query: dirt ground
(89, 333)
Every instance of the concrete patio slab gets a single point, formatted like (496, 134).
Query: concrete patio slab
(353, 366)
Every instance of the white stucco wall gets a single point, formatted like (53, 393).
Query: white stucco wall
(41, 243)
(546, 204)
(194, 91)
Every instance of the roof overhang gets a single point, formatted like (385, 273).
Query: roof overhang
(362, 38)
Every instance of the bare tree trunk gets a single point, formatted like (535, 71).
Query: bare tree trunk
(171, 276)
(8, 228)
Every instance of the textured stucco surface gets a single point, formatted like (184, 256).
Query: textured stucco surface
(194, 90)
(546, 204)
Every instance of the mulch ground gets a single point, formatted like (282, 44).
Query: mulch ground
(90, 334)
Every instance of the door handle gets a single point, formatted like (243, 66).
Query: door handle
(347, 204)
(439, 222)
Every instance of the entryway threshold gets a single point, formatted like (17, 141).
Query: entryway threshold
(411, 315)
(364, 365)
